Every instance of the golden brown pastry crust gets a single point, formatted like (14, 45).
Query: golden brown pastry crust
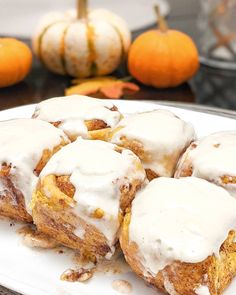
(61, 224)
(47, 154)
(12, 201)
(97, 129)
(215, 273)
(151, 174)
(169, 161)
(101, 134)
(55, 217)
(184, 167)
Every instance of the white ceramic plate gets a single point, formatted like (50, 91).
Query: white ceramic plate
(37, 272)
(137, 13)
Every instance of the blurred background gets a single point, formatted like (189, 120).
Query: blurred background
(213, 85)
(26, 12)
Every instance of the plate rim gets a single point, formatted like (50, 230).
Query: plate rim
(17, 286)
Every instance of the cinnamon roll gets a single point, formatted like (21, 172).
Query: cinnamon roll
(79, 115)
(212, 158)
(158, 138)
(83, 193)
(25, 147)
(180, 236)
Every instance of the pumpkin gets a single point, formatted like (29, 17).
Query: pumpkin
(15, 61)
(163, 57)
(82, 43)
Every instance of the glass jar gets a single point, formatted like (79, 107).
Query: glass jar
(217, 25)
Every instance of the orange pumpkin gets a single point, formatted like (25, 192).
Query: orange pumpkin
(162, 57)
(15, 61)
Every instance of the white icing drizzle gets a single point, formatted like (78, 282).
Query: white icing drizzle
(97, 172)
(214, 157)
(184, 219)
(22, 142)
(202, 290)
(160, 132)
(73, 110)
(80, 232)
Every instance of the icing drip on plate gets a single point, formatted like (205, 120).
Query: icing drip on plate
(22, 142)
(72, 111)
(97, 172)
(202, 290)
(161, 133)
(185, 219)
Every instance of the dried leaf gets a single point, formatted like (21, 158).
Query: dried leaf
(112, 91)
(111, 87)
(94, 79)
(83, 89)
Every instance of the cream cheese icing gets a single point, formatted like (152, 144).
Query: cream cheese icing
(97, 172)
(185, 219)
(160, 132)
(73, 110)
(214, 157)
(202, 290)
(22, 142)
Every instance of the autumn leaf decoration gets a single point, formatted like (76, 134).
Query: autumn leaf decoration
(109, 86)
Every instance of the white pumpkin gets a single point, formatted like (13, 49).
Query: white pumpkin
(93, 45)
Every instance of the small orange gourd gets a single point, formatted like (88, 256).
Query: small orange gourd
(163, 58)
(15, 61)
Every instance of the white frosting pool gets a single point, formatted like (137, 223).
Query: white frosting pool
(97, 172)
(22, 142)
(184, 219)
(214, 157)
(202, 290)
(161, 133)
(73, 110)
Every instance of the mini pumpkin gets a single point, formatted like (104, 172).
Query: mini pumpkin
(15, 61)
(82, 44)
(162, 57)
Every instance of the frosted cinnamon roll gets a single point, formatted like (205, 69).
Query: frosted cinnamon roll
(83, 193)
(212, 158)
(180, 236)
(25, 147)
(158, 138)
(79, 115)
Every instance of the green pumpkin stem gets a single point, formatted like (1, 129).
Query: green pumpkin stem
(82, 9)
(162, 24)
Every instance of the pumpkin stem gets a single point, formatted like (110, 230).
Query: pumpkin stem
(82, 9)
(161, 20)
